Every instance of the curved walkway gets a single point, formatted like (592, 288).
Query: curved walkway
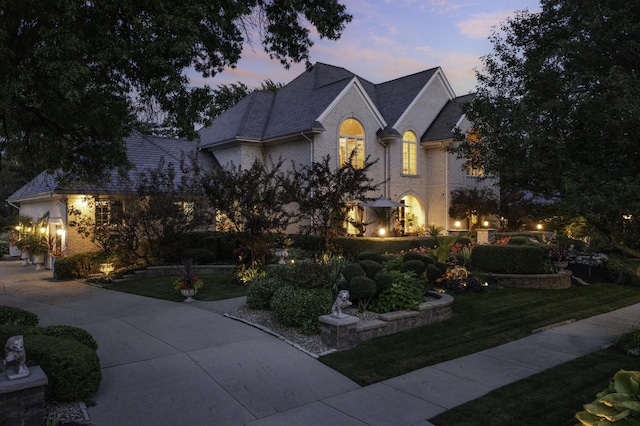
(166, 363)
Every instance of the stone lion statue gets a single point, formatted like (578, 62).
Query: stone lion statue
(15, 359)
(342, 301)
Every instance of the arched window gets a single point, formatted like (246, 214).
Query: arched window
(352, 139)
(409, 150)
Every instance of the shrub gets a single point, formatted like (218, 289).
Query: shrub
(383, 280)
(519, 240)
(301, 306)
(72, 368)
(509, 259)
(393, 264)
(201, 256)
(368, 255)
(261, 291)
(370, 267)
(433, 273)
(352, 270)
(629, 341)
(73, 333)
(76, 266)
(305, 274)
(387, 257)
(416, 266)
(16, 316)
(406, 293)
(413, 255)
(363, 289)
(617, 402)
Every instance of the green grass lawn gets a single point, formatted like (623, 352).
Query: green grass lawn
(552, 397)
(216, 287)
(480, 321)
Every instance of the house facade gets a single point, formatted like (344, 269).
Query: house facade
(405, 124)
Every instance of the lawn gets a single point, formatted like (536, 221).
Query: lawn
(216, 287)
(552, 397)
(479, 321)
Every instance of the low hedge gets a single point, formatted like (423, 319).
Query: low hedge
(72, 367)
(17, 316)
(509, 259)
(301, 307)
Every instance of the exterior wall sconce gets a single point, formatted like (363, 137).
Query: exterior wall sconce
(485, 223)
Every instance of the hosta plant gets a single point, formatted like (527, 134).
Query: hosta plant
(618, 404)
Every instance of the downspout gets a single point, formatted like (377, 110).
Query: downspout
(386, 168)
(446, 190)
(311, 156)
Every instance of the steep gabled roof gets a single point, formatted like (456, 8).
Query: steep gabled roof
(143, 151)
(442, 127)
(398, 94)
(295, 108)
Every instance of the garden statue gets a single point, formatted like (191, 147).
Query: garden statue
(15, 360)
(342, 301)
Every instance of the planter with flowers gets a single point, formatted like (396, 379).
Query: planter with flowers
(189, 283)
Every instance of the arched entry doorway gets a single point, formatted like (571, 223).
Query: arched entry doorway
(412, 216)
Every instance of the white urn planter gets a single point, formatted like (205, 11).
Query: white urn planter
(38, 260)
(189, 293)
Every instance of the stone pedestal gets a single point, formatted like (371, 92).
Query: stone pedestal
(22, 400)
(485, 235)
(339, 333)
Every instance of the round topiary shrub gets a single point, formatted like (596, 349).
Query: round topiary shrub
(17, 316)
(388, 257)
(433, 273)
(73, 333)
(416, 266)
(363, 289)
(300, 306)
(199, 255)
(370, 267)
(367, 255)
(351, 270)
(72, 368)
(261, 291)
(383, 280)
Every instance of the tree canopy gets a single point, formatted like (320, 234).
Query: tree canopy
(557, 110)
(74, 74)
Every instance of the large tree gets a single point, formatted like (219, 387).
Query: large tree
(557, 110)
(74, 74)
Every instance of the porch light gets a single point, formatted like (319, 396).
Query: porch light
(60, 231)
(42, 230)
(382, 231)
(485, 223)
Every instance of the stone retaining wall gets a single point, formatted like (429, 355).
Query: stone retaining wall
(542, 281)
(345, 333)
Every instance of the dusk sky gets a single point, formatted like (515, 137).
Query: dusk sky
(388, 39)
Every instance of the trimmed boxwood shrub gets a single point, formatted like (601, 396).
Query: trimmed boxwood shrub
(383, 280)
(261, 291)
(519, 240)
(76, 266)
(72, 368)
(509, 259)
(363, 289)
(17, 316)
(406, 293)
(416, 266)
(201, 256)
(70, 332)
(412, 255)
(387, 257)
(352, 270)
(433, 273)
(370, 267)
(368, 255)
(298, 307)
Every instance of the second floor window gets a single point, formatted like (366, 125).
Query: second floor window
(352, 139)
(409, 151)
(474, 162)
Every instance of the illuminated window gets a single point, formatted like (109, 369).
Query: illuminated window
(474, 160)
(409, 149)
(352, 141)
(108, 212)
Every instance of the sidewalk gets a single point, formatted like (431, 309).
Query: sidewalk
(166, 363)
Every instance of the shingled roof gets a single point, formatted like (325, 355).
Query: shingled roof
(263, 116)
(143, 151)
(442, 127)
